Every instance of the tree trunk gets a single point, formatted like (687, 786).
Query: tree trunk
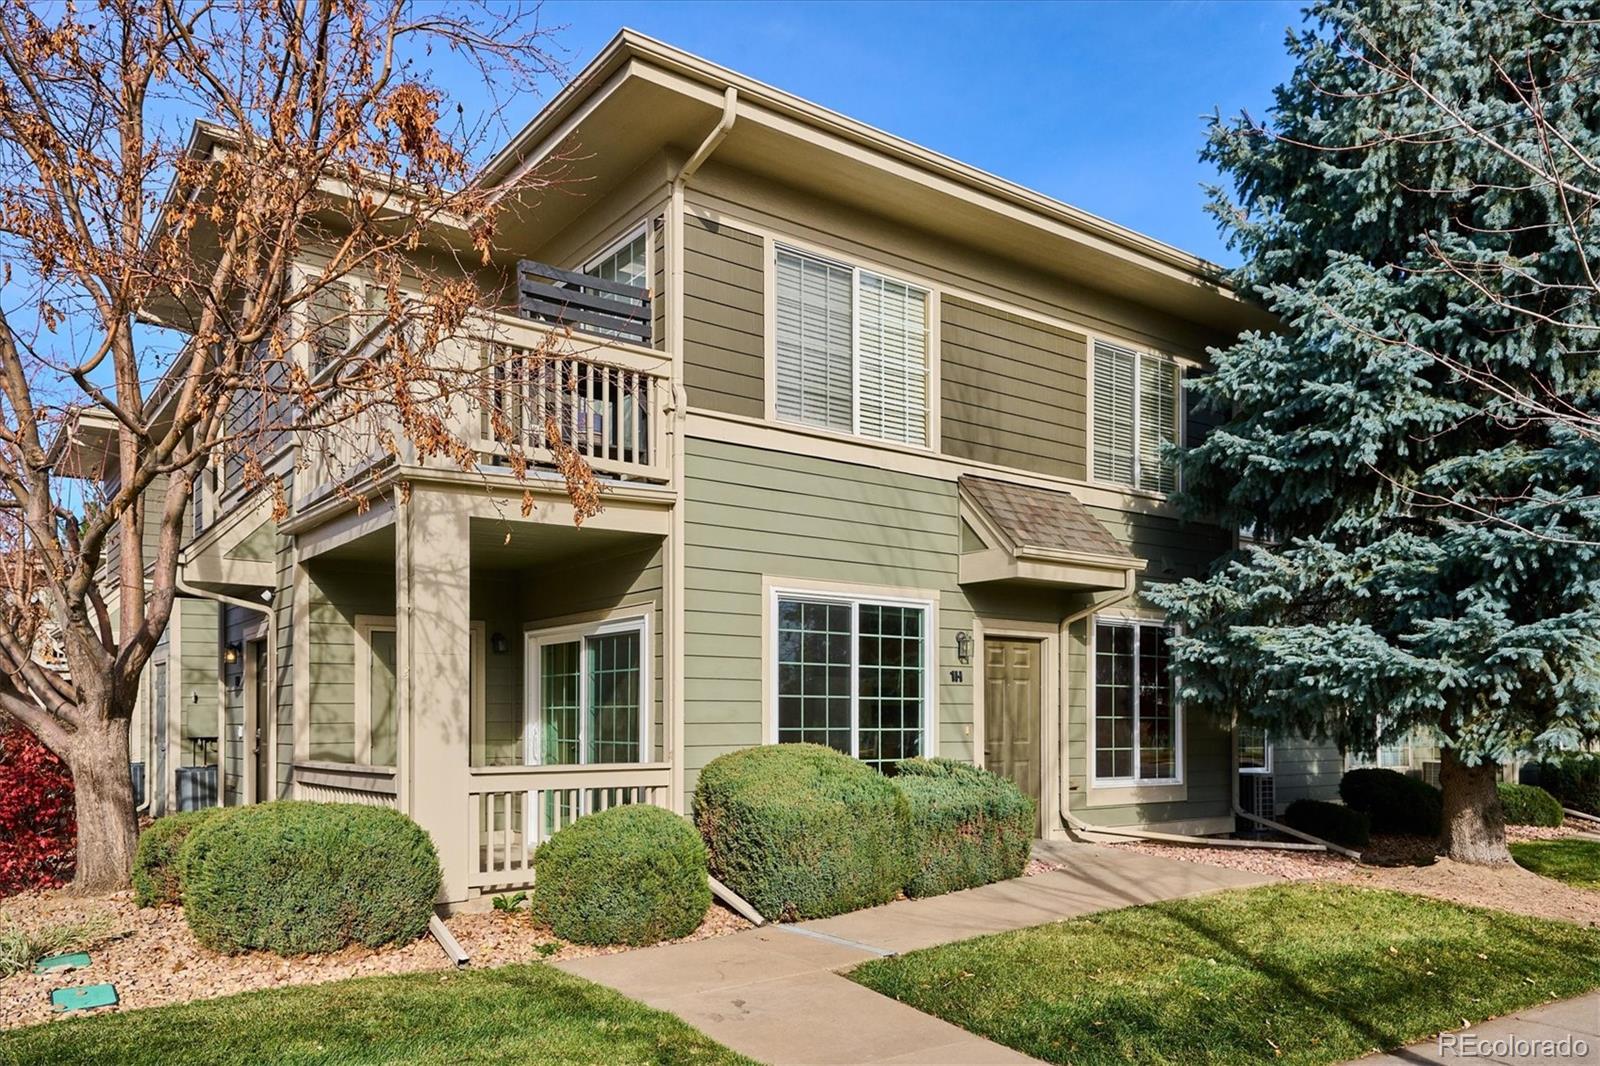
(102, 787)
(1474, 826)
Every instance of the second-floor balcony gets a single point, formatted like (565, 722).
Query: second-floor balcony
(513, 391)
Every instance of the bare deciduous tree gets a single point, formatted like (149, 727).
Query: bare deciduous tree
(162, 166)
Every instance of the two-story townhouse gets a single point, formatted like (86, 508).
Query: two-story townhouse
(880, 438)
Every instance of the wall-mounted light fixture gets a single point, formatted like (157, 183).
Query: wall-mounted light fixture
(497, 644)
(232, 653)
(964, 646)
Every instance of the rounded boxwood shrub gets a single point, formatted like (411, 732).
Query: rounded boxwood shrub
(801, 831)
(628, 875)
(1330, 821)
(969, 827)
(1573, 779)
(297, 878)
(155, 860)
(1394, 802)
(1529, 805)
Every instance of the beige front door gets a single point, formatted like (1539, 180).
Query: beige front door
(1012, 713)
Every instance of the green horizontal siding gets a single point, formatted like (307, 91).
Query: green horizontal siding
(724, 337)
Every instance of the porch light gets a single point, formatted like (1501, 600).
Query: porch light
(497, 644)
(964, 646)
(232, 653)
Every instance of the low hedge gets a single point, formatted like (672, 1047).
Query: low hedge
(801, 831)
(1394, 802)
(155, 860)
(1529, 805)
(1574, 780)
(628, 875)
(297, 878)
(1329, 821)
(969, 827)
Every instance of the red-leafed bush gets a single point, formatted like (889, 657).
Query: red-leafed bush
(37, 829)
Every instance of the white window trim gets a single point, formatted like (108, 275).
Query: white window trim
(1265, 769)
(631, 234)
(1180, 422)
(1178, 718)
(366, 625)
(931, 341)
(535, 639)
(855, 598)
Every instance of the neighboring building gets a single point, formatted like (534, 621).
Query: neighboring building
(880, 436)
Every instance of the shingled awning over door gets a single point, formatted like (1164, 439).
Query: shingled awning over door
(1020, 533)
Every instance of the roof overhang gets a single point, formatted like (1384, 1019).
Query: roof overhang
(237, 554)
(642, 100)
(86, 446)
(995, 550)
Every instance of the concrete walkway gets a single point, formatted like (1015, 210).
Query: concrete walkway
(777, 993)
(1565, 1032)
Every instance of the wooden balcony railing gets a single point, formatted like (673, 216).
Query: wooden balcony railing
(587, 304)
(512, 810)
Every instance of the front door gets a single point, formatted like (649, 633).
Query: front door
(262, 716)
(1013, 712)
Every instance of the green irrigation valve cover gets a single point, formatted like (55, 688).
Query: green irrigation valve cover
(72, 960)
(83, 997)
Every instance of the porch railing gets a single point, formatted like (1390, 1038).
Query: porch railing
(610, 409)
(512, 810)
(587, 304)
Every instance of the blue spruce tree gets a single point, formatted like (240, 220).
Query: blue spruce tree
(1416, 450)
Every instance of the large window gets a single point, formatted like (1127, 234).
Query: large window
(1135, 415)
(1137, 725)
(852, 349)
(853, 674)
(588, 694)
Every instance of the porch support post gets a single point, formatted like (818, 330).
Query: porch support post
(433, 561)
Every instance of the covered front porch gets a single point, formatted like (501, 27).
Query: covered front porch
(493, 676)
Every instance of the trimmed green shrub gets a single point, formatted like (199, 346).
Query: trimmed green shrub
(1330, 821)
(801, 831)
(969, 827)
(628, 875)
(155, 860)
(1573, 779)
(1529, 805)
(296, 878)
(1394, 802)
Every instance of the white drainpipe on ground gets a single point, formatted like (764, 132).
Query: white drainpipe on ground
(1079, 827)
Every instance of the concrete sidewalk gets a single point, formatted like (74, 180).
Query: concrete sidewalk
(1566, 1032)
(777, 993)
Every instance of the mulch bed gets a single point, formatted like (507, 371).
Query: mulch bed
(153, 959)
(1411, 864)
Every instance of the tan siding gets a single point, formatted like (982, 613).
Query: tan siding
(1012, 390)
(723, 333)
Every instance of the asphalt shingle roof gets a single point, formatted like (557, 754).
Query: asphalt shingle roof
(1043, 518)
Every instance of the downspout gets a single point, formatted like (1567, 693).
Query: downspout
(674, 605)
(1079, 827)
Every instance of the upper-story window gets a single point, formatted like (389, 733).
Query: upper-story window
(1135, 414)
(852, 349)
(329, 322)
(623, 262)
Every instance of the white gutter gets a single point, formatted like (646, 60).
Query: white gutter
(1081, 828)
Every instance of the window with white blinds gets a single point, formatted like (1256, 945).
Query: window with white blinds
(852, 349)
(1135, 414)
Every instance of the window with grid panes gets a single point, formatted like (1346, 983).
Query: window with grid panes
(590, 697)
(851, 674)
(1136, 718)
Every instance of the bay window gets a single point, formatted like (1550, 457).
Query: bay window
(853, 674)
(852, 349)
(1135, 415)
(1137, 722)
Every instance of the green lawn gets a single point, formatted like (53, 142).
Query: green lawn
(1577, 862)
(1284, 974)
(514, 1014)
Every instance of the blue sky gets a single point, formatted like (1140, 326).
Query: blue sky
(1099, 105)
